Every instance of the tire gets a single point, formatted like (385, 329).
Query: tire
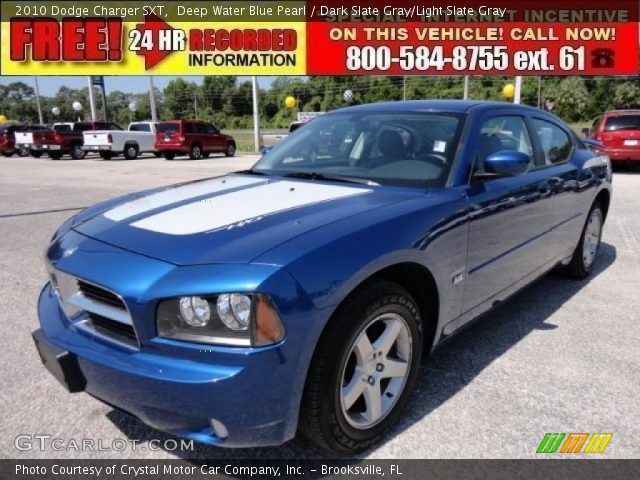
(350, 423)
(77, 153)
(7, 154)
(35, 153)
(130, 151)
(196, 152)
(586, 252)
(230, 151)
(55, 155)
(106, 155)
(169, 155)
(157, 154)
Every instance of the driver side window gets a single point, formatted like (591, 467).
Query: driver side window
(502, 133)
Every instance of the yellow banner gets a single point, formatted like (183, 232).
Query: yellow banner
(185, 48)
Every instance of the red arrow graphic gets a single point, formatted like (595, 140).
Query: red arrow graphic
(153, 24)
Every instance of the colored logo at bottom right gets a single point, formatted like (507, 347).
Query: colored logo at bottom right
(574, 442)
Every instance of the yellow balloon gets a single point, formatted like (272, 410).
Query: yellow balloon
(3, 119)
(509, 90)
(290, 102)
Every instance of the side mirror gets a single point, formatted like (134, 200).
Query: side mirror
(507, 163)
(586, 132)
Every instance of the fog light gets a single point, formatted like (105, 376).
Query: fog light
(195, 311)
(235, 310)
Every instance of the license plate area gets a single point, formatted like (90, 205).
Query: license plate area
(60, 363)
(631, 143)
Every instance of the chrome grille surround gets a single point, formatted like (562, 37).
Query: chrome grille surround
(81, 302)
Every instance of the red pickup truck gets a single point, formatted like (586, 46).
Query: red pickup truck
(65, 138)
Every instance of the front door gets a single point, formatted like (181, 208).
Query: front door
(510, 217)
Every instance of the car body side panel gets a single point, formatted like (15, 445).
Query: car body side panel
(429, 230)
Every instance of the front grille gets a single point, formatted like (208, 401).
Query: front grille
(95, 310)
(100, 295)
(111, 328)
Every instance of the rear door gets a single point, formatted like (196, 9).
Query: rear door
(510, 217)
(570, 196)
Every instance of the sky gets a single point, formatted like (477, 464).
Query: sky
(128, 84)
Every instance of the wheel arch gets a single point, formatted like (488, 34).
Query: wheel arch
(604, 198)
(418, 281)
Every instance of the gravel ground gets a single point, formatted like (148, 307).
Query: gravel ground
(562, 356)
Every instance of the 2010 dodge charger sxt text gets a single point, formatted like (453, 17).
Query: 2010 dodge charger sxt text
(302, 293)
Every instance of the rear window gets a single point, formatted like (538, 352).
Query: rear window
(139, 127)
(62, 128)
(168, 127)
(623, 122)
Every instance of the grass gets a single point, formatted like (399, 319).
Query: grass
(244, 138)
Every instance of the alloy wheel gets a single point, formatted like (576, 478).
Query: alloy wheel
(376, 371)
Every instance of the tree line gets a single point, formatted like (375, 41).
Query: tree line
(227, 102)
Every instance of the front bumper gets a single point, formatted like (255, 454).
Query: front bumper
(248, 391)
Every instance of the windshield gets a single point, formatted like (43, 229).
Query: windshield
(623, 122)
(413, 149)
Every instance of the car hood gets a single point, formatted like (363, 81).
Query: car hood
(230, 219)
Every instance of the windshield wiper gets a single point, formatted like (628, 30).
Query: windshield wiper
(330, 177)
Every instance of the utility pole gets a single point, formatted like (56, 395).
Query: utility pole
(465, 95)
(518, 93)
(256, 113)
(540, 91)
(92, 102)
(38, 101)
(195, 103)
(152, 100)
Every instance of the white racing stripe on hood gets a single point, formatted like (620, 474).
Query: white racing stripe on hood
(235, 207)
(178, 194)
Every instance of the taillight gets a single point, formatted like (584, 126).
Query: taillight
(182, 139)
(109, 138)
(57, 137)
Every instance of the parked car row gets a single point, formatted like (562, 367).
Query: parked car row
(196, 138)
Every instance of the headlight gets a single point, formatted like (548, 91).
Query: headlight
(227, 319)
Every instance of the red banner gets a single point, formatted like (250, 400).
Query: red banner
(517, 38)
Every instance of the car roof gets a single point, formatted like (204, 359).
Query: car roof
(453, 106)
(623, 112)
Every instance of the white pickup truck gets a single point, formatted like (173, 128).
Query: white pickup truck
(139, 137)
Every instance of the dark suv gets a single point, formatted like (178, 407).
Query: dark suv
(194, 137)
(619, 132)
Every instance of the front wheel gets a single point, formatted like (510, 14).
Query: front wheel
(363, 370)
(585, 254)
(230, 151)
(8, 154)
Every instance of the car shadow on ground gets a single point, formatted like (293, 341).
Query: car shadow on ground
(448, 370)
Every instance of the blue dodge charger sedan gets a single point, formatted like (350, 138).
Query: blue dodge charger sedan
(300, 295)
